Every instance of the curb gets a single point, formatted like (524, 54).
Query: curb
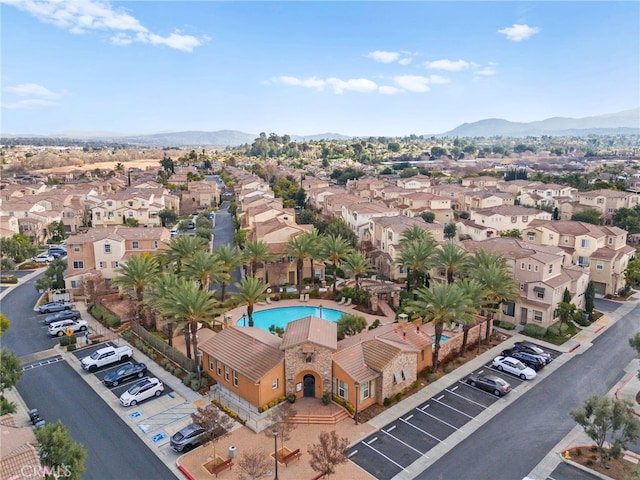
(185, 472)
(621, 387)
(574, 348)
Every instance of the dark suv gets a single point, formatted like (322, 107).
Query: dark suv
(188, 438)
(534, 361)
(532, 349)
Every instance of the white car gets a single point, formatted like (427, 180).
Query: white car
(43, 258)
(514, 367)
(145, 388)
(60, 328)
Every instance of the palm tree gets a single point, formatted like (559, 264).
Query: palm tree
(334, 249)
(314, 242)
(454, 259)
(254, 252)
(159, 290)
(299, 248)
(417, 257)
(359, 265)
(202, 267)
(250, 291)
(442, 304)
(181, 248)
(135, 275)
(476, 293)
(415, 232)
(230, 258)
(188, 305)
(497, 280)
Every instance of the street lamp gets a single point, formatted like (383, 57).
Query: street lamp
(275, 444)
(357, 395)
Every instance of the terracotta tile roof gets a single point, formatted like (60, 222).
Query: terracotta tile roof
(12, 465)
(352, 361)
(120, 233)
(378, 354)
(508, 210)
(250, 351)
(569, 227)
(311, 329)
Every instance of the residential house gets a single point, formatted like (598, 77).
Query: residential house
(316, 197)
(479, 199)
(142, 205)
(608, 201)
(18, 451)
(203, 194)
(313, 183)
(384, 235)
(103, 249)
(480, 182)
(417, 182)
(8, 226)
(507, 217)
(357, 215)
(542, 274)
(333, 203)
(412, 204)
(602, 250)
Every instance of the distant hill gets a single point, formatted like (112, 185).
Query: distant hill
(625, 122)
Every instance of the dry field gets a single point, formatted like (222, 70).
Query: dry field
(143, 163)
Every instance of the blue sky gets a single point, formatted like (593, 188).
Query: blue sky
(302, 68)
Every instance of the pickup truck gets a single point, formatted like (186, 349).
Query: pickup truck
(106, 356)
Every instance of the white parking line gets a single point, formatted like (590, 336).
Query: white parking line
(404, 443)
(421, 410)
(454, 409)
(423, 431)
(465, 398)
(384, 456)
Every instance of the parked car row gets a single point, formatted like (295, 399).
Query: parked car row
(60, 328)
(63, 315)
(142, 390)
(55, 307)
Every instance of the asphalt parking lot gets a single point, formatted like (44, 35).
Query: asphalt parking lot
(566, 471)
(398, 444)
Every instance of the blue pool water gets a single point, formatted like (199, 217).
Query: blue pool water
(280, 316)
(443, 338)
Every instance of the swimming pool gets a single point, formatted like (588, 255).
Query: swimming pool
(443, 338)
(280, 316)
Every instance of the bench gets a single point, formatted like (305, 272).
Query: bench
(222, 466)
(291, 457)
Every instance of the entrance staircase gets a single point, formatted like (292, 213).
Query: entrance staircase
(313, 411)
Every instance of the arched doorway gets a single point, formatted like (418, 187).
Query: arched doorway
(309, 386)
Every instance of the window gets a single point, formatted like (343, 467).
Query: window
(274, 384)
(107, 248)
(529, 267)
(342, 389)
(78, 264)
(115, 264)
(583, 261)
(219, 368)
(551, 268)
(522, 286)
(522, 266)
(509, 309)
(514, 219)
(600, 201)
(539, 292)
(551, 236)
(155, 244)
(537, 315)
(599, 265)
(76, 248)
(531, 236)
(364, 390)
(390, 236)
(235, 378)
(75, 283)
(135, 244)
(566, 239)
(102, 265)
(610, 240)
(535, 268)
(130, 213)
(584, 243)
(226, 373)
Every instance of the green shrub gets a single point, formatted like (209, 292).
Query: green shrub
(326, 398)
(432, 377)
(386, 402)
(461, 360)
(397, 397)
(190, 377)
(71, 347)
(8, 279)
(112, 321)
(535, 331)
(448, 369)
(504, 325)
(127, 335)
(66, 341)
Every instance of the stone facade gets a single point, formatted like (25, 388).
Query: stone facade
(403, 365)
(308, 358)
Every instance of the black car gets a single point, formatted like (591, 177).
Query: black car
(63, 315)
(489, 383)
(532, 349)
(123, 373)
(534, 361)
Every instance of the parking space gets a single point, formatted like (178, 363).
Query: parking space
(398, 444)
(566, 471)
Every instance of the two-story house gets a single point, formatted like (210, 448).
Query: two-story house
(357, 216)
(507, 217)
(413, 204)
(602, 250)
(104, 249)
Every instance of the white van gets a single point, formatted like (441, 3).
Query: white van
(174, 232)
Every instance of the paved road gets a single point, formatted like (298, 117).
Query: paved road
(115, 451)
(223, 232)
(512, 443)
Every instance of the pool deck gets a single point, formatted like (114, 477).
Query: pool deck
(236, 313)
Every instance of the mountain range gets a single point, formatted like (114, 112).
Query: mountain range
(624, 122)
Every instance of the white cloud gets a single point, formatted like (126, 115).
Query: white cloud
(517, 32)
(413, 83)
(389, 90)
(81, 16)
(449, 65)
(356, 85)
(383, 56)
(311, 82)
(404, 61)
(438, 79)
(28, 104)
(487, 71)
(32, 90)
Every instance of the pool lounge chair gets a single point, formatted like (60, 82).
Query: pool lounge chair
(301, 297)
(306, 297)
(342, 300)
(348, 302)
(268, 300)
